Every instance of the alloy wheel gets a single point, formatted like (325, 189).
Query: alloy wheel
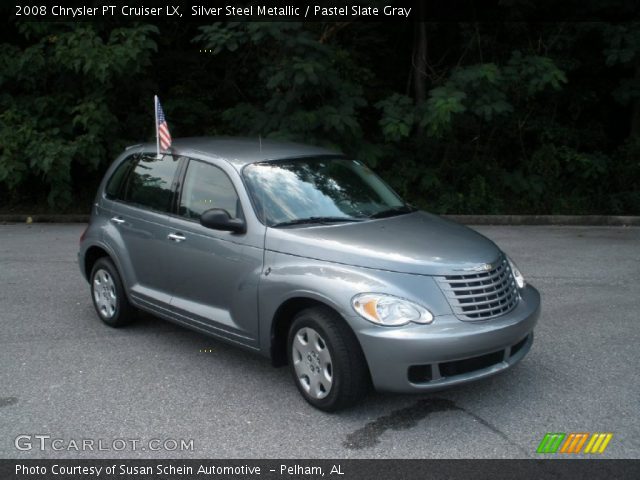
(104, 293)
(312, 362)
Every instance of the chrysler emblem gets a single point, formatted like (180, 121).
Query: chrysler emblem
(485, 267)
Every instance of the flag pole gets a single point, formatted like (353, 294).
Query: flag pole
(155, 107)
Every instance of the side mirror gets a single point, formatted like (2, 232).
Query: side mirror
(219, 219)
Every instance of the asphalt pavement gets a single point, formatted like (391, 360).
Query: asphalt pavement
(65, 375)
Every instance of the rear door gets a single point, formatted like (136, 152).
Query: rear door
(215, 273)
(139, 227)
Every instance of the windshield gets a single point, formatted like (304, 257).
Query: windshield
(319, 190)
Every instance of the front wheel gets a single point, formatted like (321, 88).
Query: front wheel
(326, 361)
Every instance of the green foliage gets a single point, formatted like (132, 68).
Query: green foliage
(509, 118)
(622, 43)
(308, 90)
(56, 110)
(487, 91)
(442, 104)
(534, 72)
(398, 117)
(623, 49)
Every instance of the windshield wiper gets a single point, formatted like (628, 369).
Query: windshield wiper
(394, 211)
(303, 221)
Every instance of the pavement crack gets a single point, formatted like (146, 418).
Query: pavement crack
(408, 417)
(6, 401)
(496, 430)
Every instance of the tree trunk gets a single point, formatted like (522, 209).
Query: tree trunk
(419, 62)
(634, 130)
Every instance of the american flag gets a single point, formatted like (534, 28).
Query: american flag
(163, 129)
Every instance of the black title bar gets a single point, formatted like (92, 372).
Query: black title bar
(176, 469)
(207, 11)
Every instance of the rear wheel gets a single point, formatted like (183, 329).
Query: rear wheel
(326, 361)
(107, 293)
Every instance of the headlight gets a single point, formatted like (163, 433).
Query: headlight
(516, 274)
(389, 310)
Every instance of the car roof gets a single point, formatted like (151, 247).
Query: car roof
(240, 151)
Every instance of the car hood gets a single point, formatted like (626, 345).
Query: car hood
(417, 243)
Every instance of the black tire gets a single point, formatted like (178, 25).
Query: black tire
(350, 374)
(120, 312)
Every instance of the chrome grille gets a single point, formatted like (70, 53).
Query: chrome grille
(481, 295)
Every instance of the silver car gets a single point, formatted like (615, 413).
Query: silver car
(307, 257)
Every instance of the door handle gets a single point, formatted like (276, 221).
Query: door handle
(117, 220)
(176, 237)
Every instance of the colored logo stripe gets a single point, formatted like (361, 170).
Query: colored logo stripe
(550, 442)
(598, 442)
(573, 443)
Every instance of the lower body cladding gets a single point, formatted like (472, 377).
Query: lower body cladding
(448, 352)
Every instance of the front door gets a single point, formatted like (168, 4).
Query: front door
(216, 273)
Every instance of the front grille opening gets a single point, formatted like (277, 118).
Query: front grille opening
(492, 309)
(487, 303)
(518, 346)
(479, 275)
(420, 373)
(459, 367)
(482, 295)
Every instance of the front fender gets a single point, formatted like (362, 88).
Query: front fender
(334, 285)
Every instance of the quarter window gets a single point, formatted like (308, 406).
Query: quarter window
(207, 186)
(114, 190)
(150, 183)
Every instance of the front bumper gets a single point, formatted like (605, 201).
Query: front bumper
(448, 352)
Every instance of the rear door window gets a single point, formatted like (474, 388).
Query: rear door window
(150, 183)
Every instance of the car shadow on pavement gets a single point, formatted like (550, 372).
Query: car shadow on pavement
(393, 412)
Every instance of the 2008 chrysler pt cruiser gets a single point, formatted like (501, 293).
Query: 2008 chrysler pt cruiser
(309, 258)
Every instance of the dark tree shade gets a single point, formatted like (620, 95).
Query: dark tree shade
(464, 117)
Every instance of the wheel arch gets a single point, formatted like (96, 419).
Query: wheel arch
(95, 252)
(91, 256)
(283, 318)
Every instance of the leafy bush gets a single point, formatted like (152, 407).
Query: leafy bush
(508, 118)
(57, 107)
